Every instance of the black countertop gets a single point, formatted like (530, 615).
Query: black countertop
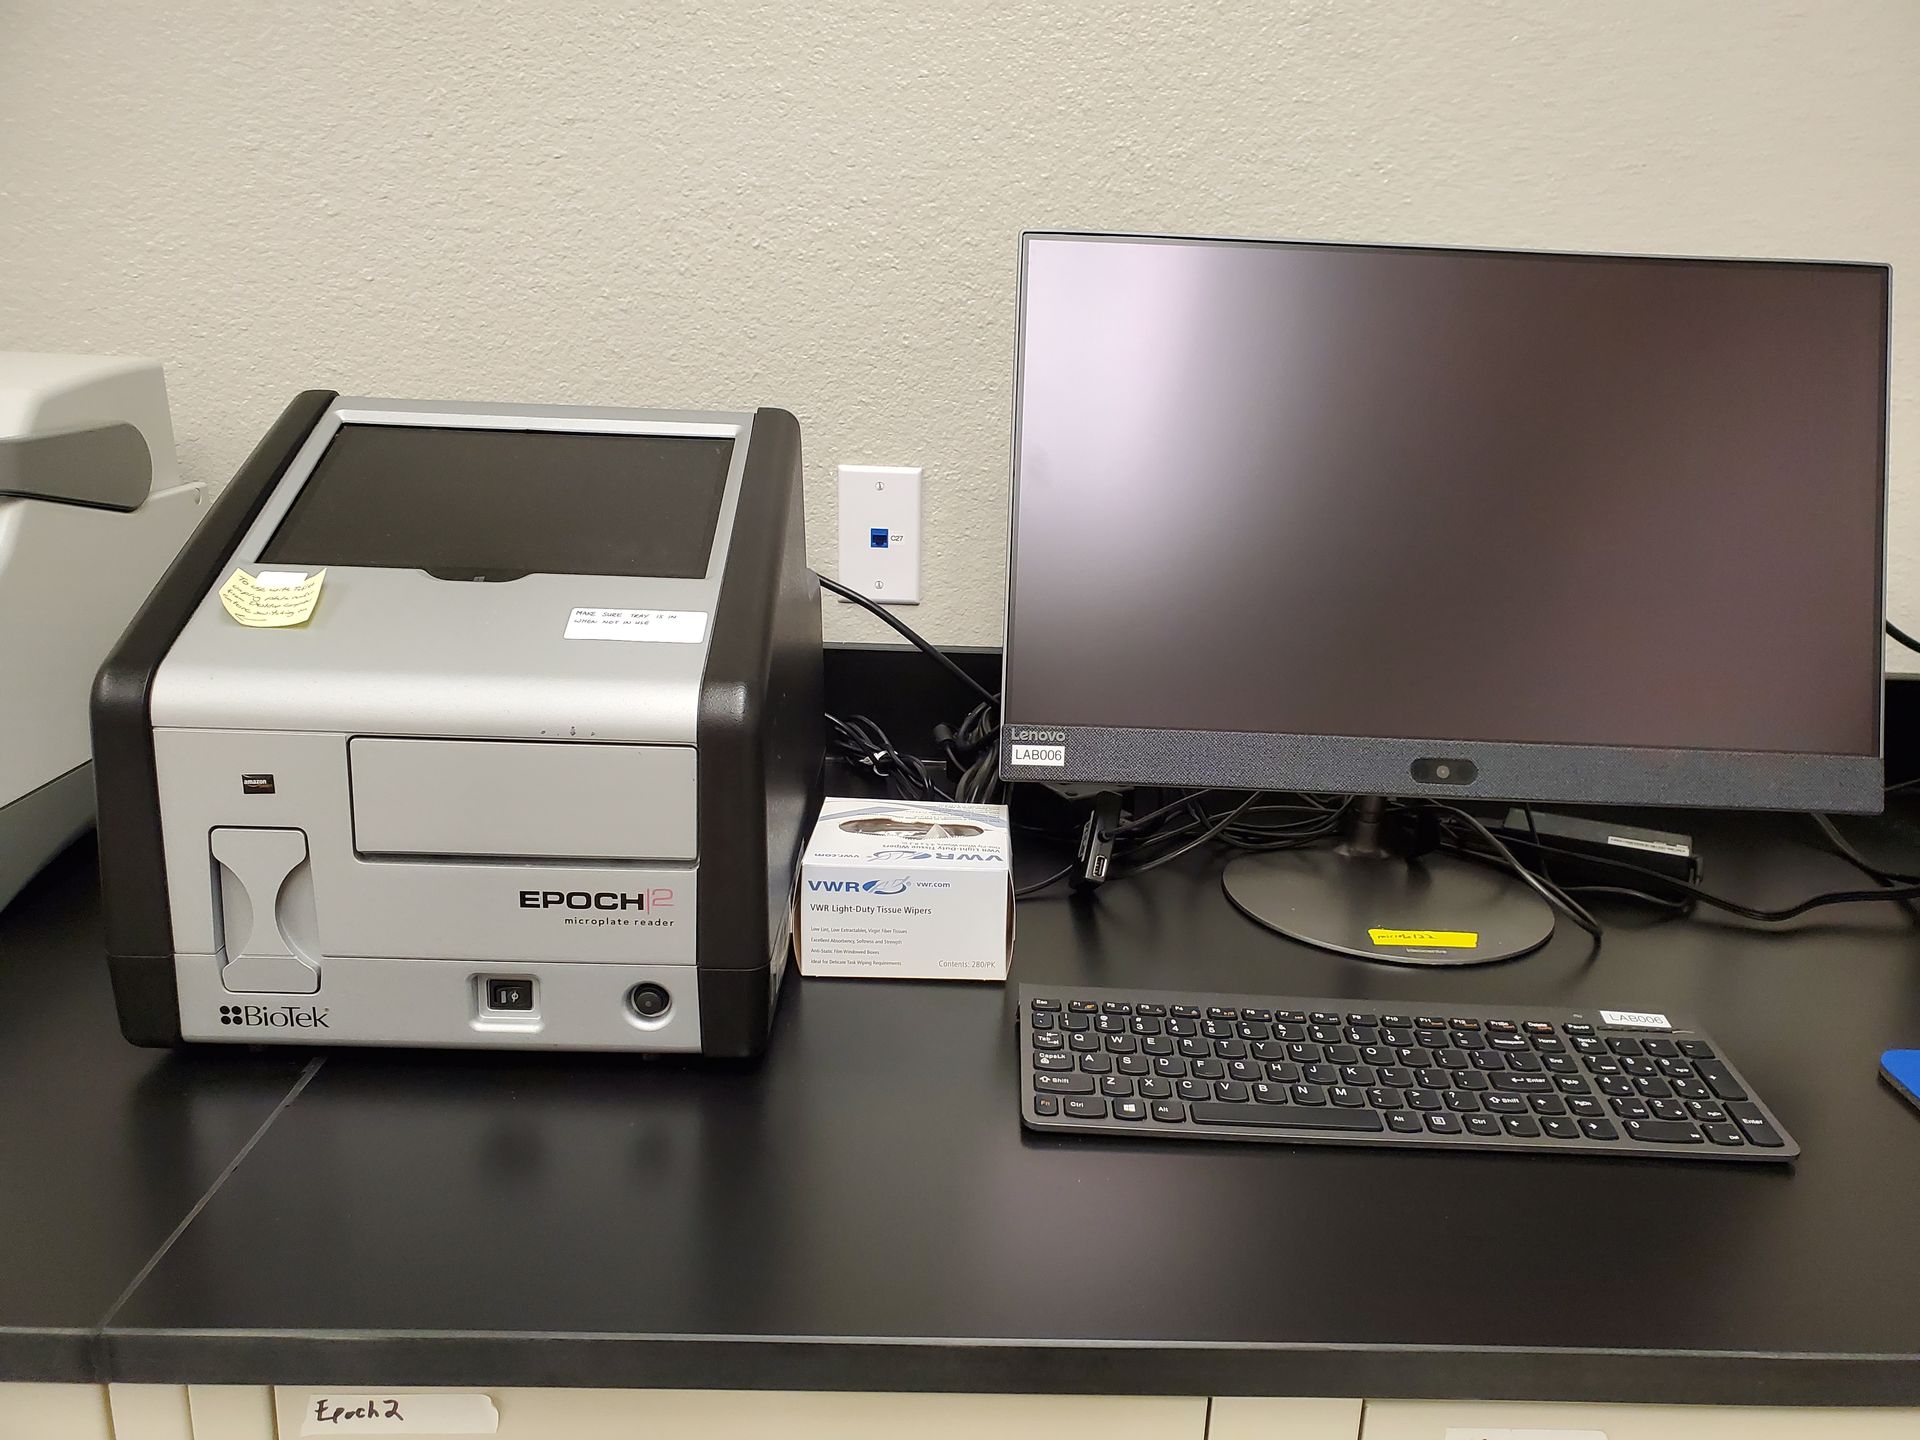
(863, 1210)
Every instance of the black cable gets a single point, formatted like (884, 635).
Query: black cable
(1902, 637)
(913, 637)
(1746, 912)
(1037, 886)
(1548, 891)
(1202, 838)
(1856, 859)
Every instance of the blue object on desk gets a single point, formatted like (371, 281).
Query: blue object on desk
(1901, 1069)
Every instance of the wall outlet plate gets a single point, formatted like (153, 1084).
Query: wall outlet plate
(880, 532)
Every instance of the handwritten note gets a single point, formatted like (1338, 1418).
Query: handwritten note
(373, 1413)
(274, 599)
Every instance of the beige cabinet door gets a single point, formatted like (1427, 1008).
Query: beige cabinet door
(55, 1412)
(805, 1415)
(1448, 1420)
(1245, 1417)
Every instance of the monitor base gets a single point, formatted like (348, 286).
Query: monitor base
(1434, 910)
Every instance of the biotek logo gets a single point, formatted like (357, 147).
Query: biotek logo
(861, 887)
(276, 1017)
(657, 899)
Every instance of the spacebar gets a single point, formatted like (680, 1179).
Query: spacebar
(1283, 1117)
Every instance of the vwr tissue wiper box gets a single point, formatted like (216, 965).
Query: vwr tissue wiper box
(907, 890)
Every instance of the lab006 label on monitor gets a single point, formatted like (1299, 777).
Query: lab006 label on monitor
(1036, 745)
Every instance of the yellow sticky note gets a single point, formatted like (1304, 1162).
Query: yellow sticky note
(272, 600)
(1437, 939)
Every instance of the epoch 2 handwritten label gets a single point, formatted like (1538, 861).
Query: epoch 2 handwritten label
(374, 1413)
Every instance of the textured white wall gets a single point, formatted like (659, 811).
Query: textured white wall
(816, 206)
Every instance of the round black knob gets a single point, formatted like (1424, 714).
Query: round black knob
(649, 1001)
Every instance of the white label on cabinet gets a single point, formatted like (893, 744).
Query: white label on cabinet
(376, 1413)
(670, 627)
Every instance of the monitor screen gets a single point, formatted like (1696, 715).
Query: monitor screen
(462, 502)
(1343, 491)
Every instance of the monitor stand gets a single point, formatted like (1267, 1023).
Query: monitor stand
(1361, 898)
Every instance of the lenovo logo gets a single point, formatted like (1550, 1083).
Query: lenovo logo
(656, 899)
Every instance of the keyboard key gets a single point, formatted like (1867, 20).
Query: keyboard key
(1521, 1125)
(1116, 1085)
(1660, 1047)
(1249, 1013)
(1230, 1090)
(1185, 1012)
(1402, 1021)
(1630, 1109)
(1614, 1085)
(1284, 1072)
(1307, 1095)
(1210, 1069)
(1431, 1022)
(1361, 1075)
(1706, 1110)
(1402, 1123)
(1150, 1010)
(1045, 1061)
(1158, 1045)
(1662, 1132)
(1547, 1104)
(1129, 1109)
(1075, 1022)
(1182, 1029)
(1122, 1045)
(1598, 1130)
(1696, 1049)
(1248, 1030)
(1222, 1012)
(1529, 1084)
(1325, 1017)
(1096, 1065)
(1571, 1085)
(1082, 1107)
(1421, 1099)
(1270, 1094)
(1691, 1090)
(1754, 1126)
(1145, 1025)
(1722, 1133)
(1345, 1095)
(1721, 1081)
(1361, 1017)
(1193, 1090)
(1560, 1127)
(1470, 1080)
(1540, 1027)
(1041, 1020)
(1063, 1084)
(1321, 1073)
(1482, 1125)
(1441, 1123)
(1246, 1071)
(1559, 1064)
(1050, 1105)
(1169, 1112)
(1133, 1065)
(1155, 1088)
(1675, 1069)
(1216, 1029)
(1382, 1098)
(1290, 1017)
(1668, 1110)
(1398, 1076)
(1575, 1028)
(1171, 1066)
(1506, 1027)
(1460, 1101)
(1654, 1088)
(1083, 1007)
(1230, 1049)
(1505, 1104)
(1286, 1117)
(1343, 1054)
(1624, 1045)
(1041, 1004)
(1269, 1050)
(1586, 1108)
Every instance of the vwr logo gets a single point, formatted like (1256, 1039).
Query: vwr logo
(276, 1017)
(861, 887)
(657, 899)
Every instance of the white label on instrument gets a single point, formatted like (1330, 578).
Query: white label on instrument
(1658, 847)
(1635, 1020)
(1054, 755)
(1470, 1432)
(377, 1413)
(668, 627)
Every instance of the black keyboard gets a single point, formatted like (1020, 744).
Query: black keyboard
(1179, 1066)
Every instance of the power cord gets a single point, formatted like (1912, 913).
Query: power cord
(912, 636)
(1902, 637)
